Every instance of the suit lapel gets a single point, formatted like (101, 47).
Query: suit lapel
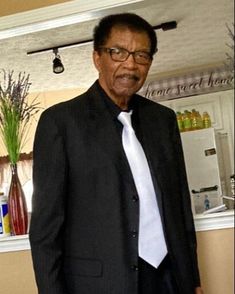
(153, 137)
(104, 132)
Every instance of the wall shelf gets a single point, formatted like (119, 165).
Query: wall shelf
(14, 243)
(214, 221)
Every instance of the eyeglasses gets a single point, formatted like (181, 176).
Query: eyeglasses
(121, 54)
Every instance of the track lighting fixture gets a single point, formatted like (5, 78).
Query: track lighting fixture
(57, 63)
(171, 25)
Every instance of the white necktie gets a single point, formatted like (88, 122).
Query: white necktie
(152, 245)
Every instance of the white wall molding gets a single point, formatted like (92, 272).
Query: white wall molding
(60, 15)
(214, 221)
(14, 243)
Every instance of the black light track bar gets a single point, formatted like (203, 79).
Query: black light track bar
(164, 26)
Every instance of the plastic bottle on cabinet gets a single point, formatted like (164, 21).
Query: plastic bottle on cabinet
(180, 121)
(194, 120)
(206, 120)
(4, 216)
(199, 121)
(206, 203)
(187, 121)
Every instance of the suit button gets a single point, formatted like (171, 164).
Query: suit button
(134, 268)
(135, 198)
(134, 233)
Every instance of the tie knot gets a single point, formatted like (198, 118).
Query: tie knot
(125, 118)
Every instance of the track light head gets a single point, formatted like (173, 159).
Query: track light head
(57, 63)
(171, 25)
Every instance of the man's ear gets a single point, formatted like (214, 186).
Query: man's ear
(96, 60)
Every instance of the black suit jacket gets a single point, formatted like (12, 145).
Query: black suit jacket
(85, 204)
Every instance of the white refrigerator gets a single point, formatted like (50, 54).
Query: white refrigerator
(202, 167)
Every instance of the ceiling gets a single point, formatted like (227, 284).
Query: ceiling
(198, 42)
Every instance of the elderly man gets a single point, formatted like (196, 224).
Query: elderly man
(111, 207)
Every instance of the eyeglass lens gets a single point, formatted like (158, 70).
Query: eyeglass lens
(121, 54)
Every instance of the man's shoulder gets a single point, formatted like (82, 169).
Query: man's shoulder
(74, 104)
(70, 103)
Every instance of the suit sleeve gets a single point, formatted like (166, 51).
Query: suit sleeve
(186, 203)
(46, 229)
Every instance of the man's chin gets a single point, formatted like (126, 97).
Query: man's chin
(125, 92)
(126, 88)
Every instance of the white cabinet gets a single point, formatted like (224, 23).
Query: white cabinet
(220, 106)
(203, 170)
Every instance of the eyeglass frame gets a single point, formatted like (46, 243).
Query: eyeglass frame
(110, 50)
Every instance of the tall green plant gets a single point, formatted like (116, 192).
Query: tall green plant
(15, 112)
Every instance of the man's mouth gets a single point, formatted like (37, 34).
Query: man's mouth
(128, 77)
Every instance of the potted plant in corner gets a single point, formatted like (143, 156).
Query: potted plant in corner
(15, 119)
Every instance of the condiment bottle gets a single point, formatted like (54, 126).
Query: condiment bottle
(206, 120)
(180, 121)
(187, 121)
(194, 120)
(199, 121)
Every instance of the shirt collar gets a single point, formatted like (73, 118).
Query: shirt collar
(113, 108)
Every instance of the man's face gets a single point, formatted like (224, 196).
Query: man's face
(121, 80)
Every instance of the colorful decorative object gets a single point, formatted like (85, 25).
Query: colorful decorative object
(15, 115)
(18, 212)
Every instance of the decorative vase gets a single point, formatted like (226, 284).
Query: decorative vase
(17, 205)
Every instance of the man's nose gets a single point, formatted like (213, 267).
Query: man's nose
(130, 61)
